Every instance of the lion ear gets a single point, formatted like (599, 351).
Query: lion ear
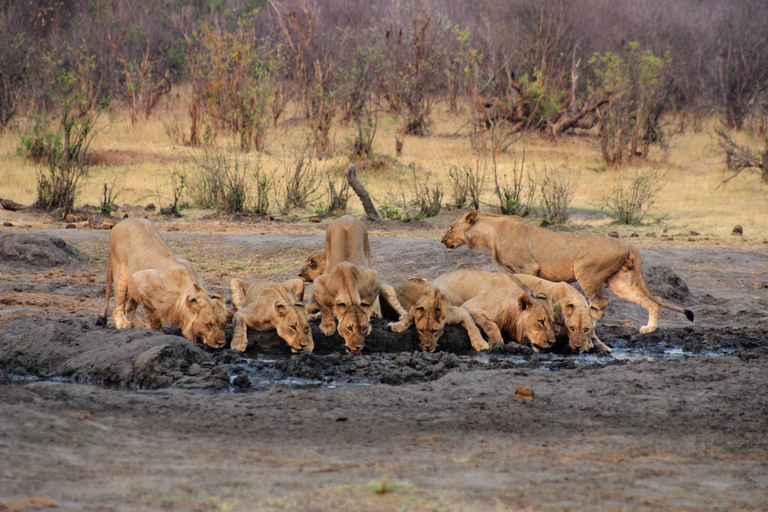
(569, 308)
(193, 302)
(237, 287)
(296, 287)
(594, 313)
(471, 217)
(281, 309)
(524, 302)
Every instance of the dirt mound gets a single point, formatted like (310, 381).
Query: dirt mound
(40, 250)
(76, 349)
(665, 283)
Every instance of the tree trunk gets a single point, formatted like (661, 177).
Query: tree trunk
(357, 186)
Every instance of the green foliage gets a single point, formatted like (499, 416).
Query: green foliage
(639, 83)
(178, 184)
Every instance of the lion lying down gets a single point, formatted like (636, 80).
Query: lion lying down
(146, 273)
(590, 260)
(430, 311)
(572, 317)
(266, 305)
(349, 289)
(500, 304)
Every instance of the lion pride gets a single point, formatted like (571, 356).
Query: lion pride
(498, 303)
(146, 273)
(590, 260)
(266, 305)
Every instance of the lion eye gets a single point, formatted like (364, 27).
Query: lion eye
(306, 330)
(572, 328)
(293, 327)
(349, 328)
(541, 323)
(586, 329)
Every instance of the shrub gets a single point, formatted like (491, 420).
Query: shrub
(517, 197)
(630, 202)
(178, 184)
(109, 196)
(428, 200)
(467, 184)
(557, 189)
(300, 180)
(221, 180)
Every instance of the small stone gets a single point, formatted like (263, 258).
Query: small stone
(8, 224)
(523, 394)
(634, 235)
(10, 205)
(694, 233)
(173, 228)
(691, 239)
(150, 207)
(737, 230)
(315, 219)
(613, 234)
(665, 230)
(652, 234)
(71, 225)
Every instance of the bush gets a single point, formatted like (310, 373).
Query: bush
(221, 179)
(630, 203)
(517, 197)
(300, 180)
(428, 200)
(178, 184)
(109, 196)
(467, 184)
(557, 190)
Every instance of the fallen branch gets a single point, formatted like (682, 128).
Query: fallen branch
(357, 186)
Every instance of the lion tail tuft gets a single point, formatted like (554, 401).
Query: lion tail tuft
(689, 314)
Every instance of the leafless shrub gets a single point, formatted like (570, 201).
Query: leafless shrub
(337, 199)
(631, 202)
(221, 180)
(557, 188)
(467, 183)
(739, 158)
(178, 184)
(427, 199)
(516, 197)
(108, 198)
(300, 179)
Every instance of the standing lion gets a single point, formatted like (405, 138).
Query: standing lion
(590, 260)
(146, 273)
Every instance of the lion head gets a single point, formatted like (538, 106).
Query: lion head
(429, 318)
(293, 327)
(534, 324)
(313, 267)
(354, 326)
(203, 317)
(456, 234)
(580, 326)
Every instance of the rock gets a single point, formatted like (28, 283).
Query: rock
(524, 394)
(315, 219)
(95, 220)
(634, 235)
(691, 239)
(7, 224)
(652, 234)
(737, 230)
(150, 207)
(71, 226)
(613, 234)
(10, 205)
(694, 233)
(36, 249)
(71, 217)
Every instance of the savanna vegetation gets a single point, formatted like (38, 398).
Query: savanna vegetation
(597, 111)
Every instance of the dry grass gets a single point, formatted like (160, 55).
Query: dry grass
(143, 155)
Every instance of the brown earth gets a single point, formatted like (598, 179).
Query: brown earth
(99, 419)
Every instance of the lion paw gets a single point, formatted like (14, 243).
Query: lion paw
(480, 345)
(239, 343)
(328, 328)
(396, 327)
(314, 316)
(647, 329)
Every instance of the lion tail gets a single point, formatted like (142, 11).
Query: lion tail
(639, 281)
(102, 318)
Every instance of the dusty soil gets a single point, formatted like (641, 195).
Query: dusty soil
(99, 419)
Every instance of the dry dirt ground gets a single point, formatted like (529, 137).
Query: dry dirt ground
(96, 419)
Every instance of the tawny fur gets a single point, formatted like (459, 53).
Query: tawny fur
(266, 305)
(572, 316)
(499, 304)
(430, 311)
(590, 260)
(146, 273)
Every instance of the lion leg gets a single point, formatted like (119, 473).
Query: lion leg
(121, 297)
(458, 315)
(621, 284)
(486, 323)
(391, 297)
(153, 321)
(594, 294)
(327, 324)
(599, 344)
(376, 309)
(131, 309)
(239, 338)
(402, 325)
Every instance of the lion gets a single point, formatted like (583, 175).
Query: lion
(572, 316)
(266, 305)
(349, 288)
(499, 303)
(314, 267)
(429, 310)
(589, 260)
(146, 273)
